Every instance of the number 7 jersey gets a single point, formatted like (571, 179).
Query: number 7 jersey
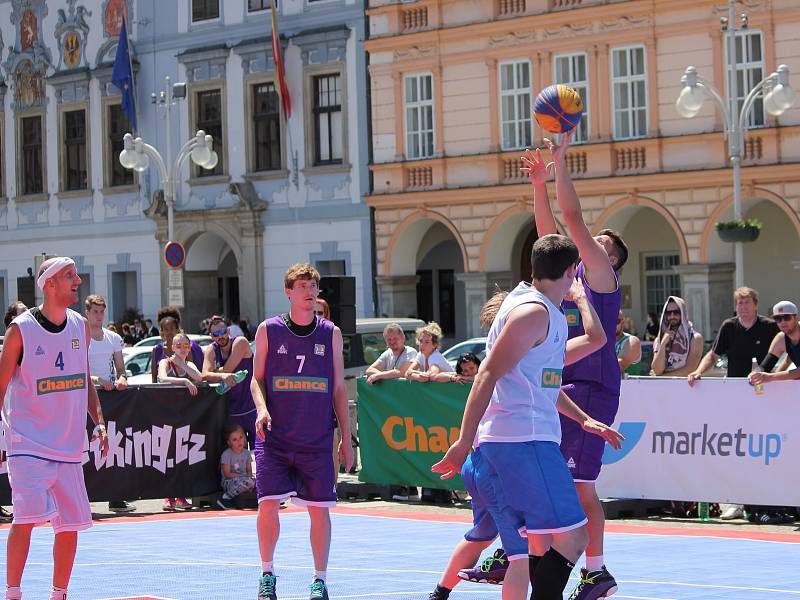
(46, 406)
(298, 379)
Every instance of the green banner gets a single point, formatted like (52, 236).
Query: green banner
(404, 427)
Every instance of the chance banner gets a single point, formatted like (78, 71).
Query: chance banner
(716, 442)
(405, 427)
(162, 443)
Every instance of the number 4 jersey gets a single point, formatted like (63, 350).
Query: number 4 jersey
(298, 378)
(46, 405)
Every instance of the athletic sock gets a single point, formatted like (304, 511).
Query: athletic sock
(58, 593)
(533, 562)
(323, 575)
(267, 567)
(552, 574)
(594, 563)
(13, 593)
(442, 592)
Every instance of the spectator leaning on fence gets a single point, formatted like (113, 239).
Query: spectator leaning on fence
(430, 364)
(628, 347)
(169, 321)
(787, 340)
(678, 347)
(466, 367)
(394, 362)
(741, 338)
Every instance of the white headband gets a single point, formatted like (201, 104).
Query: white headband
(57, 265)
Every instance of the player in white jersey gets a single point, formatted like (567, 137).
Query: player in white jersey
(45, 369)
(511, 418)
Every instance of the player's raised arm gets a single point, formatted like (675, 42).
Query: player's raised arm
(538, 171)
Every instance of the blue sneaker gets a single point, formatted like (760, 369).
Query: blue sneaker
(593, 585)
(266, 587)
(318, 590)
(492, 570)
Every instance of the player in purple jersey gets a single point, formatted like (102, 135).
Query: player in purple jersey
(223, 357)
(593, 383)
(298, 384)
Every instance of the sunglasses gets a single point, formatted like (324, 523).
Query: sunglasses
(182, 345)
(319, 313)
(672, 312)
(779, 318)
(220, 332)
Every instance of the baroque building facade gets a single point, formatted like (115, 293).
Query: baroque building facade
(283, 191)
(452, 82)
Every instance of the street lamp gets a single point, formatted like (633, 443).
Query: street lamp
(778, 99)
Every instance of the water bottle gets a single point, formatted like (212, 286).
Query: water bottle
(702, 512)
(756, 368)
(239, 376)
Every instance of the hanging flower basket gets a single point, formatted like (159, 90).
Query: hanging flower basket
(739, 231)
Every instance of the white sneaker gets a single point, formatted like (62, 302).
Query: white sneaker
(733, 511)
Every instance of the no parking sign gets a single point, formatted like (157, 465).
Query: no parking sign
(174, 254)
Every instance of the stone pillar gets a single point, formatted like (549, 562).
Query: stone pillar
(251, 274)
(708, 291)
(474, 299)
(397, 295)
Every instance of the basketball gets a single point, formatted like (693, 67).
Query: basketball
(558, 108)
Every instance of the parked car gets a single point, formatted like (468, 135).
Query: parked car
(138, 364)
(476, 345)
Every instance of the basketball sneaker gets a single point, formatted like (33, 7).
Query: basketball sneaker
(169, 504)
(182, 504)
(593, 585)
(318, 590)
(492, 570)
(266, 587)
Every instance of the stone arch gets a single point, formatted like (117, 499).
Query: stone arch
(616, 217)
(499, 239)
(190, 232)
(753, 195)
(401, 251)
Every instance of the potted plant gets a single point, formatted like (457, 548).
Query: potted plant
(739, 231)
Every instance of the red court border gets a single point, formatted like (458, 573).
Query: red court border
(623, 528)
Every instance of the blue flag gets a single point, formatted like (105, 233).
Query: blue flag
(122, 76)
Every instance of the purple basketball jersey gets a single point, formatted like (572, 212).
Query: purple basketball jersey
(600, 367)
(240, 399)
(298, 378)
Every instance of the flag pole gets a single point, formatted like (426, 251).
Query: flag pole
(133, 77)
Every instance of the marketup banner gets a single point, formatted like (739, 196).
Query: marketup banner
(404, 427)
(163, 443)
(717, 441)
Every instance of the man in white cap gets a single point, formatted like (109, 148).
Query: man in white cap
(45, 368)
(787, 340)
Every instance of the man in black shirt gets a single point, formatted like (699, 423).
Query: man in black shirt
(741, 338)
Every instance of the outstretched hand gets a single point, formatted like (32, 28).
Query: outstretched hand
(538, 171)
(559, 152)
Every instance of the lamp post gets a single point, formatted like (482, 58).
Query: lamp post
(778, 99)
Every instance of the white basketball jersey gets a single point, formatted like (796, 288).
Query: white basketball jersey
(46, 406)
(523, 404)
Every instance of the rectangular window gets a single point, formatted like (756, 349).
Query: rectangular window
(202, 10)
(75, 175)
(570, 69)
(254, 5)
(327, 120)
(749, 72)
(118, 126)
(266, 127)
(660, 281)
(515, 104)
(629, 85)
(32, 175)
(418, 102)
(209, 119)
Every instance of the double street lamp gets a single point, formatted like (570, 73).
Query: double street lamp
(778, 98)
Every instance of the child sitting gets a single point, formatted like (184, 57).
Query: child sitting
(177, 370)
(237, 467)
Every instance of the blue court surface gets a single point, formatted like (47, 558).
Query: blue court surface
(375, 556)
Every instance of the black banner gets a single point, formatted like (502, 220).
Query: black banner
(163, 443)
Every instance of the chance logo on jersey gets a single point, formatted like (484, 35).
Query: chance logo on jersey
(65, 383)
(299, 384)
(551, 378)
(573, 317)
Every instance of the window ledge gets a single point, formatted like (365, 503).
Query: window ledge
(119, 189)
(326, 169)
(267, 175)
(69, 194)
(32, 198)
(210, 180)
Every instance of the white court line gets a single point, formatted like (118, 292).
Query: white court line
(642, 597)
(709, 536)
(711, 586)
(148, 596)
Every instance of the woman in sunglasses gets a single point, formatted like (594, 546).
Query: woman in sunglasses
(678, 347)
(169, 322)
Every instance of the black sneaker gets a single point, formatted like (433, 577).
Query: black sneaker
(593, 585)
(121, 506)
(319, 590)
(225, 503)
(266, 587)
